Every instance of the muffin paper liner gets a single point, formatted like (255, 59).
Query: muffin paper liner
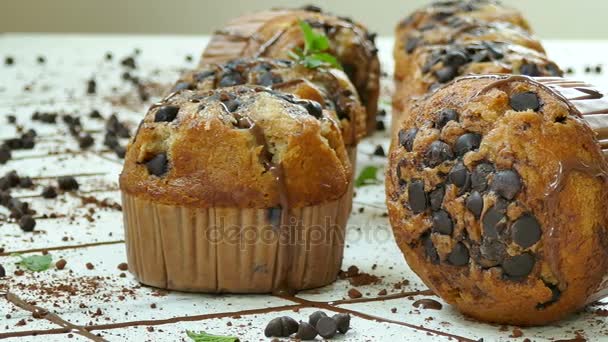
(238, 250)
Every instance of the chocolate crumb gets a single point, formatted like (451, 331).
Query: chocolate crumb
(2, 272)
(49, 192)
(354, 293)
(394, 310)
(90, 266)
(123, 266)
(382, 292)
(517, 333)
(60, 264)
(91, 87)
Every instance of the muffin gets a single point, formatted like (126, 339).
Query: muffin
(496, 190)
(239, 189)
(329, 87)
(275, 34)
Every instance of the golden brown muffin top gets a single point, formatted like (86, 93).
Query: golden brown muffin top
(496, 186)
(328, 86)
(438, 12)
(243, 147)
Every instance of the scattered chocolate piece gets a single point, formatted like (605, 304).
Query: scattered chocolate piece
(49, 192)
(306, 332)
(526, 231)
(95, 114)
(129, 62)
(91, 87)
(123, 266)
(343, 322)
(11, 119)
(380, 125)
(166, 114)
(60, 264)
(109, 56)
(90, 266)
(382, 292)
(406, 138)
(506, 183)
(525, 101)
(85, 141)
(379, 151)
(67, 183)
(354, 293)
(25, 182)
(5, 154)
(427, 303)
(281, 327)
(27, 223)
(9, 60)
(519, 266)
(158, 165)
(327, 327)
(315, 317)
(2, 273)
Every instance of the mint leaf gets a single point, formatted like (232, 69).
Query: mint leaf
(367, 177)
(204, 337)
(35, 263)
(315, 47)
(326, 58)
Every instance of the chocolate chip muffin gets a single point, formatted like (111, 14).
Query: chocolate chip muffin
(496, 190)
(239, 189)
(331, 88)
(276, 33)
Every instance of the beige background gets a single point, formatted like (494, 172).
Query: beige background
(568, 19)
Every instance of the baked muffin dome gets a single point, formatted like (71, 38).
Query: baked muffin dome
(275, 33)
(245, 147)
(330, 87)
(496, 190)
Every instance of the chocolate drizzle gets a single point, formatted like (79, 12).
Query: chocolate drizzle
(38, 312)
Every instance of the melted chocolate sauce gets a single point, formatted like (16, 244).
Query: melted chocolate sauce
(427, 303)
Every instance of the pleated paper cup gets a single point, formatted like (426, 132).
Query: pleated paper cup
(235, 250)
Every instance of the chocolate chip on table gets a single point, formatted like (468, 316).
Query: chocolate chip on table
(5, 154)
(85, 141)
(437, 153)
(379, 151)
(281, 327)
(327, 327)
(67, 183)
(11, 119)
(166, 114)
(231, 79)
(519, 266)
(506, 183)
(529, 69)
(380, 125)
(129, 62)
(479, 176)
(2, 272)
(444, 116)
(459, 256)
(25, 182)
(343, 322)
(9, 60)
(306, 332)
(526, 231)
(493, 222)
(429, 248)
(412, 44)
(459, 175)
(466, 143)
(60, 264)
(525, 101)
(91, 87)
(416, 196)
(446, 74)
(436, 197)
(475, 204)
(123, 266)
(406, 138)
(442, 222)
(158, 165)
(120, 151)
(27, 223)
(315, 317)
(13, 178)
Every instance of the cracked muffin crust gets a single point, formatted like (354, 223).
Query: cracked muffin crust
(329, 87)
(496, 190)
(274, 33)
(222, 148)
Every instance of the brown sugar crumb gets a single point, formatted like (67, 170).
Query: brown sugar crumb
(60, 264)
(354, 293)
(123, 266)
(90, 266)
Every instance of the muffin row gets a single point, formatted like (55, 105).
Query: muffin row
(241, 178)
(496, 184)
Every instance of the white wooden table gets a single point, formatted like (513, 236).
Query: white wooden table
(129, 311)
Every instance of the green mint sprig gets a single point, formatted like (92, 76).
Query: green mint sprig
(315, 52)
(35, 263)
(368, 176)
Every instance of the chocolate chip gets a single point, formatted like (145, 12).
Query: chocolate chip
(479, 177)
(525, 101)
(182, 86)
(25, 182)
(2, 272)
(411, 44)
(380, 125)
(18, 208)
(437, 153)
(526, 231)
(327, 327)
(85, 141)
(493, 221)
(529, 69)
(9, 60)
(13, 178)
(506, 183)
(379, 151)
(314, 108)
(444, 116)
(455, 58)
(429, 249)
(459, 256)
(95, 114)
(49, 192)
(493, 251)
(201, 76)
(232, 105)
(315, 317)
(5, 154)
(231, 79)
(446, 74)
(406, 138)
(459, 175)
(27, 223)
(519, 266)
(417, 196)
(436, 197)
(442, 222)
(269, 78)
(343, 322)
(467, 142)
(555, 295)
(129, 62)
(91, 87)
(166, 114)
(306, 332)
(67, 183)
(281, 327)
(475, 204)
(120, 151)
(158, 165)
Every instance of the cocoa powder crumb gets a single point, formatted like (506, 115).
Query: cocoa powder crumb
(60, 264)
(354, 293)
(90, 266)
(382, 292)
(123, 266)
